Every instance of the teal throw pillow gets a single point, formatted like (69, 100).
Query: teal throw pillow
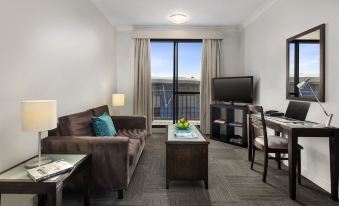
(103, 125)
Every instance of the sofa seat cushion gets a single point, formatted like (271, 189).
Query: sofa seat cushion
(79, 124)
(274, 142)
(133, 150)
(139, 134)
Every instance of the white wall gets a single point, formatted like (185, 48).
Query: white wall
(232, 62)
(125, 68)
(265, 53)
(61, 50)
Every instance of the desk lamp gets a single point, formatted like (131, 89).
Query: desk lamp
(305, 83)
(38, 116)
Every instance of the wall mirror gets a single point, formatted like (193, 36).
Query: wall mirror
(306, 61)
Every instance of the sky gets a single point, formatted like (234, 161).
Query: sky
(189, 59)
(309, 60)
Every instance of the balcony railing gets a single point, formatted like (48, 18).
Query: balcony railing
(188, 105)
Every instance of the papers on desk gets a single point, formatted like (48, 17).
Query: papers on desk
(295, 123)
(306, 125)
(282, 120)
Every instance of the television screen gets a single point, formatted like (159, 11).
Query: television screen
(233, 89)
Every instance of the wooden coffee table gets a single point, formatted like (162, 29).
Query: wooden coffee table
(186, 159)
(16, 180)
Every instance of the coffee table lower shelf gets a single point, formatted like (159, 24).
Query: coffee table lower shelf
(188, 161)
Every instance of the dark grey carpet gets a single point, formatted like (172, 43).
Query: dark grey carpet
(231, 182)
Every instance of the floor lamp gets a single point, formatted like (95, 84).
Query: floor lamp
(38, 116)
(305, 83)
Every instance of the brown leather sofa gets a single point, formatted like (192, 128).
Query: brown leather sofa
(114, 159)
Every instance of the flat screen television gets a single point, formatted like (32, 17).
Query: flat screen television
(233, 89)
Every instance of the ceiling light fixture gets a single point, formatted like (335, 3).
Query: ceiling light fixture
(179, 18)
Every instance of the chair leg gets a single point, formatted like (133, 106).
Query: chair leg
(265, 167)
(253, 155)
(278, 158)
(299, 167)
(120, 194)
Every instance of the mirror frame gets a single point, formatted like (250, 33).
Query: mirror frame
(322, 64)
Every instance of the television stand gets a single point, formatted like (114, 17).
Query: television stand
(229, 123)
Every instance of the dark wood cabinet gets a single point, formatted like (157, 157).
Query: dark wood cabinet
(229, 123)
(186, 159)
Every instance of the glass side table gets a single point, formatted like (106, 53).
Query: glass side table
(15, 180)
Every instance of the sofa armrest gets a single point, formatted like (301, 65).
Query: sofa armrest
(109, 157)
(129, 122)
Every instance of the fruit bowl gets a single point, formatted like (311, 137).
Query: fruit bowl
(182, 124)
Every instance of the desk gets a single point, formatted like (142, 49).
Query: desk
(307, 129)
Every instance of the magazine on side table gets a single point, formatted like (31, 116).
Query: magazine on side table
(47, 171)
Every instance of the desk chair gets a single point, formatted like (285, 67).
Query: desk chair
(268, 143)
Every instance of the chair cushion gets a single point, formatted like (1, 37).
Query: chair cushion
(274, 142)
(139, 134)
(103, 125)
(133, 149)
(79, 124)
(100, 110)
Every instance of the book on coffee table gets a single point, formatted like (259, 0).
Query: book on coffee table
(185, 134)
(47, 171)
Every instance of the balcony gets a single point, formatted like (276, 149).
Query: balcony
(188, 100)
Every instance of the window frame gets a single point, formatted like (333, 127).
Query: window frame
(175, 102)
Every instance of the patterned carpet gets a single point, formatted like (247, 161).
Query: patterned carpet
(231, 182)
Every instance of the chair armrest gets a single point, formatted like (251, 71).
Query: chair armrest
(129, 122)
(109, 156)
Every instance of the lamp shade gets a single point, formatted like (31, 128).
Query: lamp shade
(302, 84)
(38, 115)
(118, 100)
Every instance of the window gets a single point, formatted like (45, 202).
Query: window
(176, 80)
(304, 61)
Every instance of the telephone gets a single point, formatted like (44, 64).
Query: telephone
(274, 113)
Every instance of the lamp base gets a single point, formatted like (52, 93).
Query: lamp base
(35, 162)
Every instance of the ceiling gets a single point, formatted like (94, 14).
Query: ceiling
(201, 12)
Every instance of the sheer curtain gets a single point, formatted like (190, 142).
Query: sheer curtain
(142, 104)
(210, 67)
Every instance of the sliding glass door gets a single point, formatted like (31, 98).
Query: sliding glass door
(162, 82)
(176, 80)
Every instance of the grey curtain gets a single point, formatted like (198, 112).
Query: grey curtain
(142, 104)
(210, 67)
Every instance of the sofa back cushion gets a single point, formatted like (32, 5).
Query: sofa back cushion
(98, 111)
(79, 124)
(54, 132)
